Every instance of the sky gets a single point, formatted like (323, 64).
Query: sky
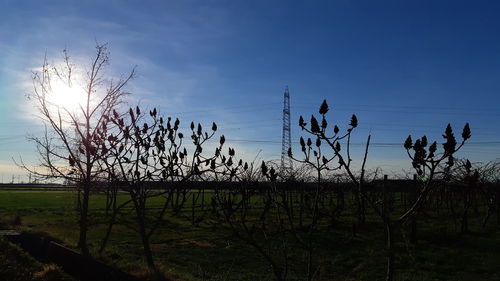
(403, 67)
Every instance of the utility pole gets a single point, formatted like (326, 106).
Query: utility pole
(286, 142)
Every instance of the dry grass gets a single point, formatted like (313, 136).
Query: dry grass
(160, 274)
(48, 270)
(201, 243)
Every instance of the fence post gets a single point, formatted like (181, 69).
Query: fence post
(385, 195)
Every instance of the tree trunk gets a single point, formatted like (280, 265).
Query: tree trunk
(360, 209)
(413, 219)
(108, 232)
(140, 209)
(82, 241)
(148, 254)
(301, 209)
(390, 253)
(413, 229)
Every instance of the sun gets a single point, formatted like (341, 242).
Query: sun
(67, 97)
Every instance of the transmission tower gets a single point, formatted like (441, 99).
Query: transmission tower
(286, 142)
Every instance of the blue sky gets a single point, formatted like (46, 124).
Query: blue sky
(404, 67)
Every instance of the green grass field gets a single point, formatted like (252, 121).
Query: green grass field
(209, 251)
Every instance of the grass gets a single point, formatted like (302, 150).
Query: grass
(208, 251)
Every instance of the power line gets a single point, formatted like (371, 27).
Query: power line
(357, 143)
(430, 107)
(414, 111)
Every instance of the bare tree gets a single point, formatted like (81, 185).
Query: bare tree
(148, 158)
(426, 161)
(70, 147)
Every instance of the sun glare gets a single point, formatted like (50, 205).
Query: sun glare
(66, 97)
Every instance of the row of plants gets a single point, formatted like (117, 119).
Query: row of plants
(103, 147)
(16, 265)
